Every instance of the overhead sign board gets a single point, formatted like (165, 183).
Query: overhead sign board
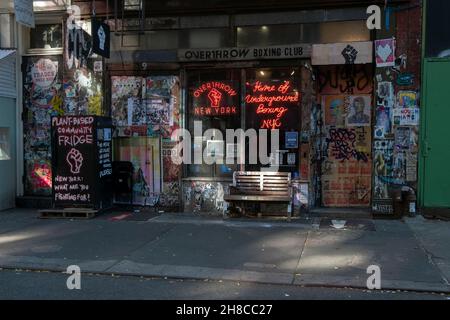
(299, 51)
(342, 53)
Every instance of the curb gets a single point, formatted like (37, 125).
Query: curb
(134, 269)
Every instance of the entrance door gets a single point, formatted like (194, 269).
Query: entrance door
(435, 173)
(345, 94)
(144, 154)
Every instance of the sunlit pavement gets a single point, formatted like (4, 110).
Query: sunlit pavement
(412, 254)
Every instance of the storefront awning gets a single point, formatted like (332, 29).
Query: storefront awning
(6, 52)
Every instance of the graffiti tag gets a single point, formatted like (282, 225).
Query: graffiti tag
(342, 144)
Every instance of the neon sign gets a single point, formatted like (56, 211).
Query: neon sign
(272, 102)
(215, 99)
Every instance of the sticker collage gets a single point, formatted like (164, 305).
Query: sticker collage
(396, 130)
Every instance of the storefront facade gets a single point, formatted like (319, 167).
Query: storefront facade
(308, 70)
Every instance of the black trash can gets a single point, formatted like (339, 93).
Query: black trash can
(123, 182)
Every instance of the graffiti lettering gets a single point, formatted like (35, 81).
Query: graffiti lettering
(344, 79)
(342, 145)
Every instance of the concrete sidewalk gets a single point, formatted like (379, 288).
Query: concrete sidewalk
(412, 254)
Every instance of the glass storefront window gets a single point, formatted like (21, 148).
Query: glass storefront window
(438, 25)
(268, 35)
(327, 32)
(46, 36)
(272, 101)
(204, 38)
(333, 32)
(213, 102)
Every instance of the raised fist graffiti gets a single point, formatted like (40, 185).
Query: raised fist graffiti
(350, 54)
(215, 96)
(75, 160)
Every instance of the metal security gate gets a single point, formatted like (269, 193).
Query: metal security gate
(8, 94)
(435, 157)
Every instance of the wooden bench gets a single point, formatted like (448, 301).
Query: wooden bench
(261, 187)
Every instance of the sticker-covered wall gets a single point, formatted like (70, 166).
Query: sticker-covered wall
(42, 99)
(57, 86)
(397, 113)
(146, 111)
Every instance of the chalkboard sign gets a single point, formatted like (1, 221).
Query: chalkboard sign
(81, 157)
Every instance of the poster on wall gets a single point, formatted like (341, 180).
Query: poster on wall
(152, 101)
(385, 53)
(359, 111)
(407, 99)
(383, 122)
(334, 110)
(123, 89)
(411, 167)
(44, 72)
(162, 94)
(383, 166)
(383, 112)
(272, 104)
(159, 112)
(406, 117)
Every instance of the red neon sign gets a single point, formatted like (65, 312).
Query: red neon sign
(272, 101)
(215, 99)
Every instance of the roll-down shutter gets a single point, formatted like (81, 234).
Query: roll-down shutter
(7, 73)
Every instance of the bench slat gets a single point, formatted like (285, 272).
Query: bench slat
(254, 198)
(262, 193)
(264, 173)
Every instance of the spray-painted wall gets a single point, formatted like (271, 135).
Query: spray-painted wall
(345, 97)
(205, 197)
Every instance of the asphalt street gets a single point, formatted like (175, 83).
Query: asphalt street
(412, 255)
(30, 285)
